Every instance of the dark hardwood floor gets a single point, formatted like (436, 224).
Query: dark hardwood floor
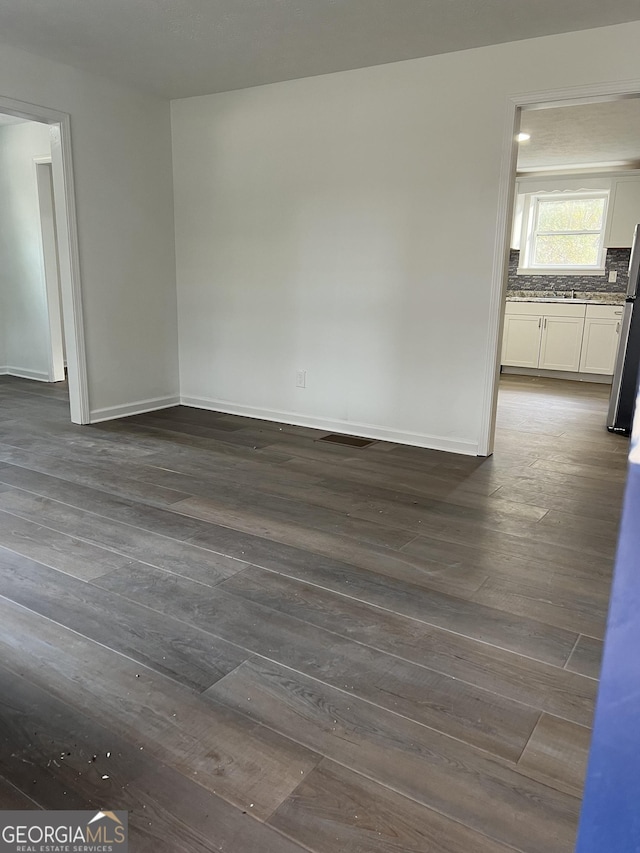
(260, 643)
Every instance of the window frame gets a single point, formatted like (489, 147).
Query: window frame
(530, 233)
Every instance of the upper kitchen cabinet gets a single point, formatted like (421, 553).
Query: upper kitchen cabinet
(625, 212)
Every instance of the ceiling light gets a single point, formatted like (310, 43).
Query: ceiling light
(522, 137)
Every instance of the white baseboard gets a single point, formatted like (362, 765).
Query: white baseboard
(603, 379)
(138, 408)
(432, 442)
(23, 373)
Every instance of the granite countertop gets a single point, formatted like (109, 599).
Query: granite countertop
(580, 298)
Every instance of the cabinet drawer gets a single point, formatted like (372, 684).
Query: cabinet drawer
(604, 312)
(545, 309)
(530, 309)
(560, 309)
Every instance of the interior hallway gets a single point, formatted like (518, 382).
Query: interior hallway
(255, 641)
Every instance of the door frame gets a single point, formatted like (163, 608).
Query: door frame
(50, 264)
(68, 254)
(515, 105)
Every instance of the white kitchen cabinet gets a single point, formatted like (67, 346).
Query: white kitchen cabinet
(543, 335)
(600, 339)
(566, 337)
(560, 343)
(521, 340)
(625, 212)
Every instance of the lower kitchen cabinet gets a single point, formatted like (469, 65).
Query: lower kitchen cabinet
(567, 337)
(543, 335)
(560, 343)
(600, 339)
(521, 340)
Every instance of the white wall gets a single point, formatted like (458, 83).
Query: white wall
(25, 318)
(3, 359)
(345, 225)
(122, 165)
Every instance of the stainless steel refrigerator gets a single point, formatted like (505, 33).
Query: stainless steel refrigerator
(625, 376)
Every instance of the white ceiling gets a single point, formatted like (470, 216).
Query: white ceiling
(585, 135)
(179, 48)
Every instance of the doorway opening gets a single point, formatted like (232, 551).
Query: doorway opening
(42, 332)
(570, 195)
(576, 206)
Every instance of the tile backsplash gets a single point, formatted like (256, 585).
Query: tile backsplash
(617, 259)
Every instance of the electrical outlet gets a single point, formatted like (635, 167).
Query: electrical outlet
(613, 276)
(301, 378)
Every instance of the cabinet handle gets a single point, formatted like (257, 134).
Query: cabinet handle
(539, 322)
(618, 327)
(544, 325)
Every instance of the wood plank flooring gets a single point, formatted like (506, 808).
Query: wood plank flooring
(255, 641)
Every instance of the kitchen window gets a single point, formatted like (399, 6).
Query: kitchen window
(565, 233)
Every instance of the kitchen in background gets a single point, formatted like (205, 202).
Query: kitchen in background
(577, 193)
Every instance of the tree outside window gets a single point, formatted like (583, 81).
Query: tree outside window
(567, 232)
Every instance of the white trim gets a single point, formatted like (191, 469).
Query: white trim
(530, 100)
(499, 275)
(571, 96)
(49, 269)
(583, 271)
(604, 167)
(24, 373)
(69, 258)
(433, 442)
(523, 177)
(138, 408)
(602, 378)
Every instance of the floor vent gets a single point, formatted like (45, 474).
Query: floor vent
(348, 440)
